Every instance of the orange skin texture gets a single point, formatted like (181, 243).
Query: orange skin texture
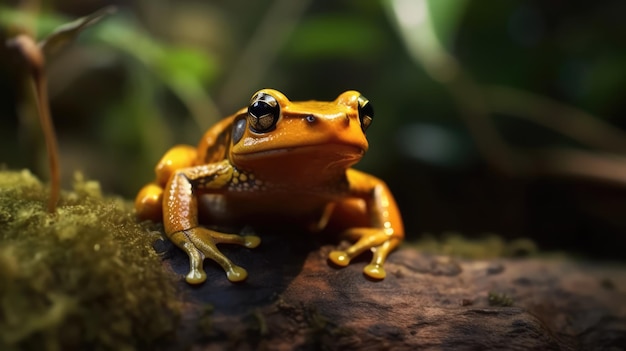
(298, 170)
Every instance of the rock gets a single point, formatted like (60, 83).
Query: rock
(293, 299)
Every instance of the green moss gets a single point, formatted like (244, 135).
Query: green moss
(86, 277)
(488, 246)
(499, 299)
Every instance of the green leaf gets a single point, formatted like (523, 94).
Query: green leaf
(415, 22)
(168, 61)
(45, 22)
(335, 36)
(186, 63)
(185, 71)
(446, 16)
(66, 33)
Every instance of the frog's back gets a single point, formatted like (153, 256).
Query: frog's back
(215, 143)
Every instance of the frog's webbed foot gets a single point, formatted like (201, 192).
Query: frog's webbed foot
(374, 239)
(200, 243)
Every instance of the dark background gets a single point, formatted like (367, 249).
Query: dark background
(507, 118)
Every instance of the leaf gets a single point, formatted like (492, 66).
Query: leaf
(187, 63)
(20, 21)
(445, 16)
(66, 33)
(184, 70)
(415, 22)
(335, 36)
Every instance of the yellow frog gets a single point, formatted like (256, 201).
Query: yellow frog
(275, 160)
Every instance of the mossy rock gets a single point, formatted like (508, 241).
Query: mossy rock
(85, 277)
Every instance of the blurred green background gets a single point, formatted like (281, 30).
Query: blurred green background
(497, 117)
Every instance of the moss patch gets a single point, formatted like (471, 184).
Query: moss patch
(486, 247)
(84, 278)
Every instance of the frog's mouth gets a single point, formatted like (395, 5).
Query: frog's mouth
(322, 155)
(321, 150)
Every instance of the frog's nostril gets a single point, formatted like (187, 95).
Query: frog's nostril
(311, 119)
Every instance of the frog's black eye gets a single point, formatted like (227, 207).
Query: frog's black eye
(366, 112)
(263, 113)
(239, 127)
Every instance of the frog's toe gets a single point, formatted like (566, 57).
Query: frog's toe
(196, 273)
(196, 276)
(251, 241)
(236, 274)
(375, 271)
(340, 258)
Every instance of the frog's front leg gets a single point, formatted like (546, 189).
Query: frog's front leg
(180, 218)
(385, 231)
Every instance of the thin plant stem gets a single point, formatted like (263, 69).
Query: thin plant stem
(34, 57)
(41, 90)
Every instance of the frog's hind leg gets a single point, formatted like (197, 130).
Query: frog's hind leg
(200, 243)
(148, 203)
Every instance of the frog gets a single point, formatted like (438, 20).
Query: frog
(275, 160)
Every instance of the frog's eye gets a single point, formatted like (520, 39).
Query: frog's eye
(366, 112)
(263, 113)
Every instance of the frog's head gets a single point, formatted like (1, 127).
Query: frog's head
(274, 131)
